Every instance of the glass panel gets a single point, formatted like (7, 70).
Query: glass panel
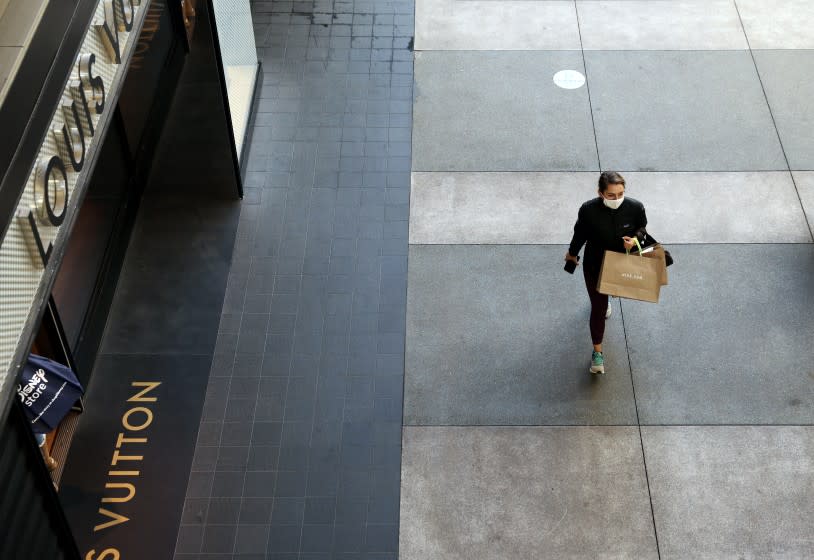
(233, 19)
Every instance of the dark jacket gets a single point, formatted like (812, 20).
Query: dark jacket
(603, 228)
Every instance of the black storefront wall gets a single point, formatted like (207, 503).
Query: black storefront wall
(86, 281)
(34, 524)
(63, 168)
(131, 133)
(127, 473)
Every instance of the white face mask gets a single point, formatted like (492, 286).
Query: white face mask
(613, 204)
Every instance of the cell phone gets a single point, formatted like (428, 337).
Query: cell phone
(570, 266)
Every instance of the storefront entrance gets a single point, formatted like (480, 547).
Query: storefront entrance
(125, 284)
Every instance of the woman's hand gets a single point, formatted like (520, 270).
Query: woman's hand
(630, 242)
(569, 257)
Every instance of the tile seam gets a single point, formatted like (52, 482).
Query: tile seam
(774, 122)
(639, 427)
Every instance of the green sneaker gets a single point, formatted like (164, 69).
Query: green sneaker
(597, 363)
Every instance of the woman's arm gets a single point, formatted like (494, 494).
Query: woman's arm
(580, 233)
(641, 224)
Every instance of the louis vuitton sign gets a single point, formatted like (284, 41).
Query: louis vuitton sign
(56, 184)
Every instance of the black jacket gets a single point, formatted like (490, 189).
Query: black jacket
(603, 228)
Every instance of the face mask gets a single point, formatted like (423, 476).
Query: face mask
(613, 204)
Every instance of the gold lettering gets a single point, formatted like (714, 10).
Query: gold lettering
(131, 491)
(108, 553)
(117, 458)
(123, 473)
(147, 413)
(152, 23)
(121, 439)
(115, 519)
(149, 386)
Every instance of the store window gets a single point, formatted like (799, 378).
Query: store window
(233, 22)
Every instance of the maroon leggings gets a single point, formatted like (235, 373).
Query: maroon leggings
(599, 305)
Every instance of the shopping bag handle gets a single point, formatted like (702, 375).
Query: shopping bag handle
(636, 241)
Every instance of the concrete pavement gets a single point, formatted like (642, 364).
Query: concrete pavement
(699, 441)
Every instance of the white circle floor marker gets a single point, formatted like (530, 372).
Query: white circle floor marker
(569, 79)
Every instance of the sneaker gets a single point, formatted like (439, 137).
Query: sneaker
(609, 311)
(597, 363)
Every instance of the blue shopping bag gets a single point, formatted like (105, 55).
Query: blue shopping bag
(47, 390)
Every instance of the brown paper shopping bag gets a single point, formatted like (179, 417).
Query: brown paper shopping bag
(657, 252)
(630, 276)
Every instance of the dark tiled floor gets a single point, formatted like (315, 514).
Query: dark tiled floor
(298, 454)
(161, 329)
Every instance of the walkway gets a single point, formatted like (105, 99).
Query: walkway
(299, 449)
(698, 441)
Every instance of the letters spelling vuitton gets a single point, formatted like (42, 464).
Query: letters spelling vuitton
(134, 419)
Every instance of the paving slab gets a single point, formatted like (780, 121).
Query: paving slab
(730, 340)
(778, 25)
(705, 112)
(788, 79)
(483, 25)
(498, 335)
(497, 208)
(500, 111)
(732, 491)
(540, 208)
(697, 207)
(648, 25)
(804, 180)
(510, 493)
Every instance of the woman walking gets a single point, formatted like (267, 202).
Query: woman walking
(609, 222)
